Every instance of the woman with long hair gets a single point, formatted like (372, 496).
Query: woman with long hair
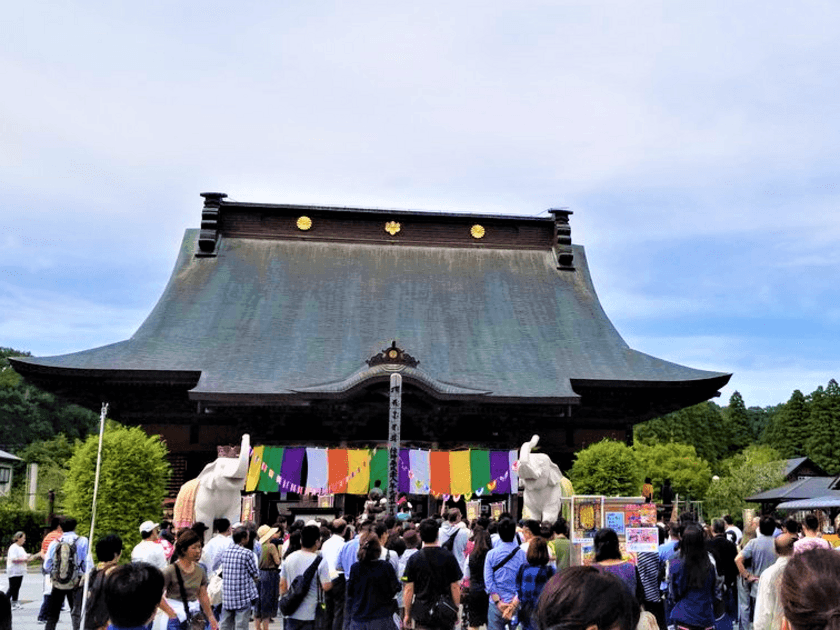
(692, 582)
(477, 600)
(185, 585)
(584, 598)
(531, 580)
(371, 588)
(810, 590)
(608, 558)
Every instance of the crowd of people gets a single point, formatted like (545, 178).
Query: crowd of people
(379, 572)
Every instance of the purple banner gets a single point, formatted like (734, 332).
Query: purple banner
(499, 465)
(292, 465)
(405, 465)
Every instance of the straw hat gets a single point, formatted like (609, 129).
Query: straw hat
(265, 533)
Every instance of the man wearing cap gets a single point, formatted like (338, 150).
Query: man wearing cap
(149, 550)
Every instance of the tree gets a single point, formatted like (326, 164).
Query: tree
(607, 467)
(690, 475)
(756, 469)
(132, 483)
(699, 426)
(789, 428)
(737, 423)
(824, 427)
(28, 414)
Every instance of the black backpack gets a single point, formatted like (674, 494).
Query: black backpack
(298, 589)
(64, 573)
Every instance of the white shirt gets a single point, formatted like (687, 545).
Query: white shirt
(768, 605)
(329, 551)
(16, 552)
(149, 552)
(212, 554)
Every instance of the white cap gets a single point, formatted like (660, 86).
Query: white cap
(148, 526)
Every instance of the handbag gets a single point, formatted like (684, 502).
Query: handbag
(322, 621)
(214, 589)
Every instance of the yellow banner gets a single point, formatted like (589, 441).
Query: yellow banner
(358, 461)
(254, 469)
(459, 472)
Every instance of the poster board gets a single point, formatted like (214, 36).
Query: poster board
(326, 500)
(633, 520)
(473, 510)
(247, 509)
(587, 518)
(496, 509)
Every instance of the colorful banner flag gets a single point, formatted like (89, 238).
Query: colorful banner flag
(317, 470)
(420, 468)
(514, 478)
(358, 461)
(253, 477)
(272, 461)
(439, 472)
(292, 469)
(379, 469)
(499, 472)
(405, 467)
(479, 469)
(459, 472)
(338, 469)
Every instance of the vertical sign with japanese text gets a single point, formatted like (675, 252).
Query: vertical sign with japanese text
(394, 421)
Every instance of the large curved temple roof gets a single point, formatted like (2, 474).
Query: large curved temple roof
(273, 304)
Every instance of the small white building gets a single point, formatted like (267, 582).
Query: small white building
(6, 462)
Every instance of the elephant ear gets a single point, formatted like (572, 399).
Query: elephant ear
(554, 474)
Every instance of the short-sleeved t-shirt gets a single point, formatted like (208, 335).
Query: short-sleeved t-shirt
(193, 582)
(432, 570)
(296, 564)
(761, 552)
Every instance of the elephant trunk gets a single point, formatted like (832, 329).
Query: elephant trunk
(244, 458)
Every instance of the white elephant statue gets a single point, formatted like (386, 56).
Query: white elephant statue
(216, 492)
(544, 484)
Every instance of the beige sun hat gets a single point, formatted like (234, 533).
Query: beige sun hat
(265, 533)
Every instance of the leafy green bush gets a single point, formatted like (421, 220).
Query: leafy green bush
(132, 483)
(17, 519)
(689, 474)
(609, 468)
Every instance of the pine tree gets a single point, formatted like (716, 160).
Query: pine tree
(789, 429)
(824, 427)
(737, 423)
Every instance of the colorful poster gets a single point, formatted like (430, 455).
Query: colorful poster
(648, 514)
(588, 515)
(496, 509)
(473, 510)
(326, 500)
(615, 521)
(633, 515)
(247, 513)
(642, 539)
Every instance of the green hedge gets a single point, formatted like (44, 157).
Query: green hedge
(15, 519)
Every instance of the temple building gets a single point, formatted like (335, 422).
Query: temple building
(286, 322)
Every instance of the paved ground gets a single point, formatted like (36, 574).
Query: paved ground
(31, 596)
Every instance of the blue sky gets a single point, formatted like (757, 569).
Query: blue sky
(696, 143)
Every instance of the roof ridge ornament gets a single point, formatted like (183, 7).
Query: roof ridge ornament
(208, 237)
(563, 239)
(393, 356)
